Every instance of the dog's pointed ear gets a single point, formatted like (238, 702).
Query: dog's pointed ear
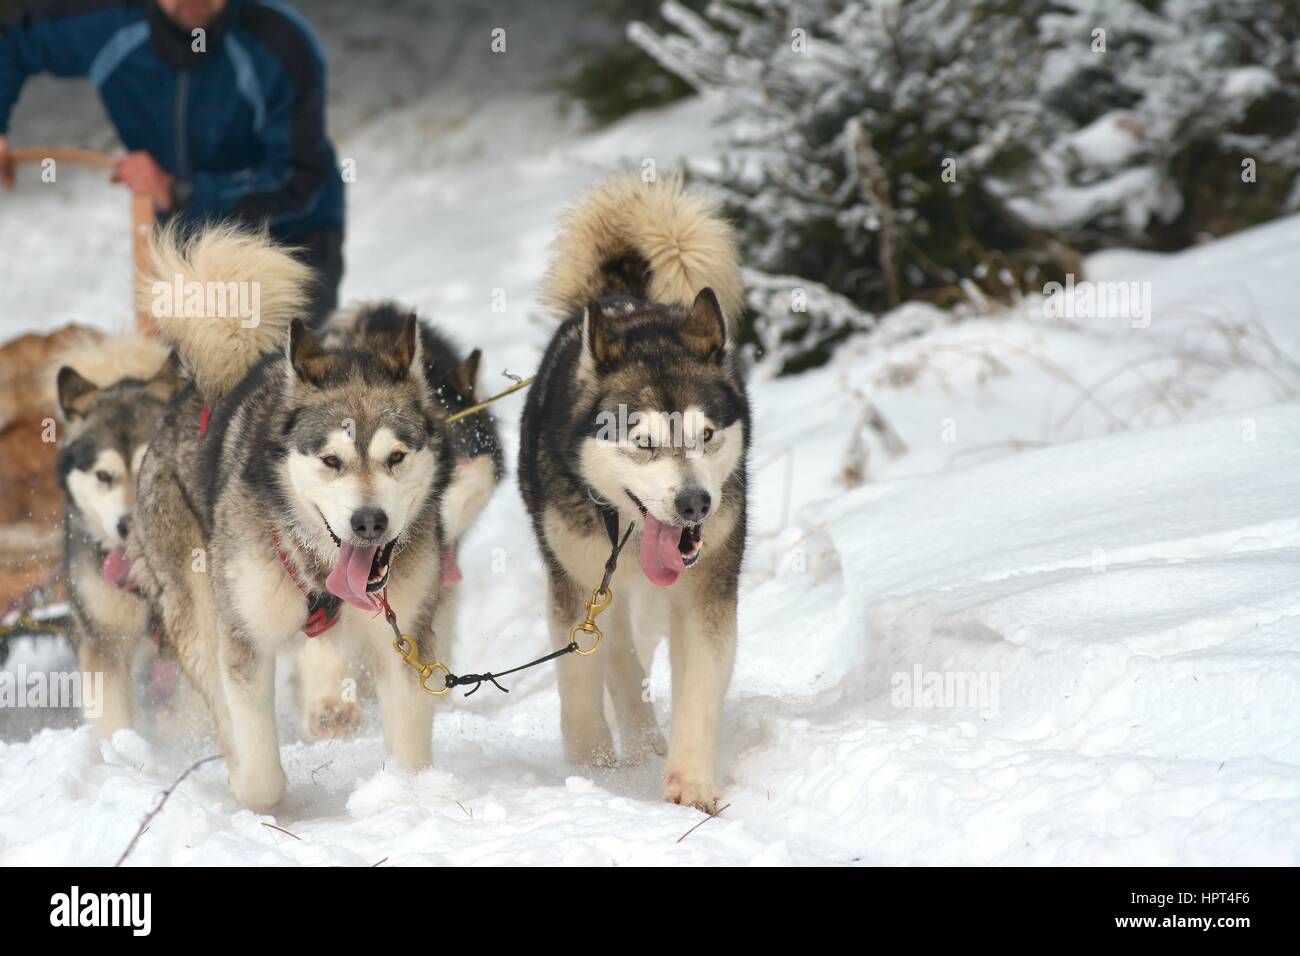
(464, 378)
(76, 394)
(308, 360)
(705, 328)
(409, 345)
(168, 380)
(600, 343)
(400, 353)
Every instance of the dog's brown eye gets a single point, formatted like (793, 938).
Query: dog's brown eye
(706, 435)
(331, 461)
(396, 458)
(105, 477)
(642, 440)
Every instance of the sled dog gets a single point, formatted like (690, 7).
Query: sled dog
(453, 381)
(111, 397)
(639, 412)
(288, 486)
(323, 665)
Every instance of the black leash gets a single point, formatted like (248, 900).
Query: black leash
(462, 680)
(410, 653)
(609, 514)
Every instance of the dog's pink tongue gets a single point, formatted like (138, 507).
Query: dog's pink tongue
(118, 569)
(660, 559)
(351, 571)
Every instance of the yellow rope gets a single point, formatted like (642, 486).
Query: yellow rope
(523, 383)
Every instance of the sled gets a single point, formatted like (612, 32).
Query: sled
(31, 510)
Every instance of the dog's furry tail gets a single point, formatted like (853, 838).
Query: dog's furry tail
(105, 361)
(232, 267)
(659, 242)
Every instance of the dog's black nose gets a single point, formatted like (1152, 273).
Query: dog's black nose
(369, 524)
(123, 526)
(693, 505)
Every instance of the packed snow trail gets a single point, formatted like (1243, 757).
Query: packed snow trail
(1132, 600)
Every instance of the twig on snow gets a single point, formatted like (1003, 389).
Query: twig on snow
(716, 813)
(144, 825)
(272, 826)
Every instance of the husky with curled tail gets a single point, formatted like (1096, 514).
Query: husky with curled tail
(639, 415)
(289, 485)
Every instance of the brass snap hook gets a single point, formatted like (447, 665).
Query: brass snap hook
(428, 671)
(587, 627)
(406, 646)
(600, 599)
(596, 604)
(408, 652)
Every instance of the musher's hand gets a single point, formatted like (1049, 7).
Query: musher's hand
(142, 175)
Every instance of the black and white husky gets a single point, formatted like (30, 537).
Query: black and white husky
(111, 398)
(288, 480)
(639, 412)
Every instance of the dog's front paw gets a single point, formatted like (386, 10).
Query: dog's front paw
(331, 719)
(698, 793)
(261, 791)
(597, 755)
(638, 749)
(588, 743)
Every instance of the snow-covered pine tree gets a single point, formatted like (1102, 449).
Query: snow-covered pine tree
(885, 150)
(865, 137)
(1184, 118)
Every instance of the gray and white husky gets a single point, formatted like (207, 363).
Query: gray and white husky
(325, 665)
(639, 411)
(453, 380)
(107, 428)
(286, 473)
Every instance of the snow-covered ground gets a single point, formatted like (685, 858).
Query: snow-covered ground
(1057, 620)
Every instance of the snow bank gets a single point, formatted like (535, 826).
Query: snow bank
(1127, 602)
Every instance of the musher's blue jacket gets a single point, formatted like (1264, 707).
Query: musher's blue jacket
(241, 125)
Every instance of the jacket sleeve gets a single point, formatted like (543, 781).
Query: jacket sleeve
(54, 39)
(298, 157)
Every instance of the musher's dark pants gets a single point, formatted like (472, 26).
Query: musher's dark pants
(323, 251)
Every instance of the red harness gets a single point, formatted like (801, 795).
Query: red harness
(324, 614)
